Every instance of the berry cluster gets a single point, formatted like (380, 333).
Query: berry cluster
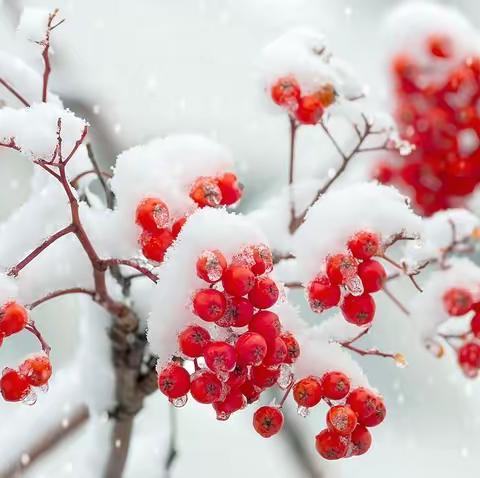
(35, 371)
(439, 118)
(306, 109)
(349, 280)
(159, 230)
(249, 353)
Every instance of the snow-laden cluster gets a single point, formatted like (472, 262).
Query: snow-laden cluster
(335, 217)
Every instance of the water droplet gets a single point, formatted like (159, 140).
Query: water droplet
(179, 402)
(400, 360)
(44, 388)
(118, 443)
(25, 459)
(354, 285)
(223, 416)
(303, 411)
(286, 377)
(30, 399)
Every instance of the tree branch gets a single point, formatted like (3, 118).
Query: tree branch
(14, 93)
(59, 293)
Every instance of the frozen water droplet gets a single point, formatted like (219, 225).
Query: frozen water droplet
(286, 377)
(354, 285)
(400, 360)
(245, 257)
(25, 459)
(179, 402)
(212, 265)
(44, 388)
(118, 443)
(31, 398)
(303, 411)
(223, 416)
(160, 215)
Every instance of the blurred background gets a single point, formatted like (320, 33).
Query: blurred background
(136, 70)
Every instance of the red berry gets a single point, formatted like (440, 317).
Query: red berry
(192, 340)
(264, 293)
(250, 391)
(372, 274)
(267, 324)
(276, 352)
(220, 356)
(469, 358)
(310, 109)
(251, 349)
(155, 245)
(340, 268)
(369, 407)
(457, 301)
(268, 421)
(322, 295)
(341, 419)
(358, 310)
(152, 214)
(37, 369)
(205, 387)
(2, 337)
(293, 347)
(237, 377)
(238, 280)
(233, 402)
(231, 190)
(336, 385)
(286, 92)
(210, 266)
(307, 392)
(364, 244)
(13, 318)
(263, 260)
(174, 381)
(14, 386)
(361, 440)
(209, 304)
(238, 314)
(326, 94)
(331, 445)
(475, 325)
(178, 226)
(264, 377)
(206, 192)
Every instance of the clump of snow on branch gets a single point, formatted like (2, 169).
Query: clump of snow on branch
(8, 288)
(33, 23)
(345, 211)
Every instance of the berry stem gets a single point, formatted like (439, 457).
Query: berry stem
(285, 395)
(59, 293)
(14, 92)
(291, 169)
(134, 265)
(31, 327)
(395, 300)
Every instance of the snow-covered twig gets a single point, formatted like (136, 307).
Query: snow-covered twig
(14, 92)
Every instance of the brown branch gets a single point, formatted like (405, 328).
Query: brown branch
(134, 265)
(395, 300)
(59, 293)
(11, 144)
(31, 327)
(293, 285)
(75, 181)
(14, 93)
(110, 198)
(291, 169)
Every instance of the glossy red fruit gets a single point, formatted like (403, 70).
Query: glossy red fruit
(331, 445)
(364, 244)
(335, 385)
(192, 340)
(310, 110)
(267, 324)
(210, 265)
(205, 387)
(368, 406)
(155, 245)
(237, 377)
(206, 192)
(341, 419)
(475, 325)
(469, 358)
(13, 318)
(372, 274)
(209, 304)
(178, 226)
(239, 313)
(322, 295)
(233, 402)
(264, 293)
(13, 386)
(286, 92)
(238, 280)
(268, 421)
(251, 349)
(307, 392)
(340, 268)
(457, 301)
(230, 188)
(293, 347)
(152, 214)
(358, 310)
(220, 356)
(37, 369)
(263, 260)
(174, 381)
(361, 440)
(264, 377)
(250, 391)
(276, 352)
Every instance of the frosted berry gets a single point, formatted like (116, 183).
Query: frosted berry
(307, 392)
(322, 295)
(210, 266)
(293, 347)
(205, 387)
(37, 369)
(457, 301)
(238, 314)
(310, 110)
(361, 440)
(369, 407)
(206, 192)
(335, 385)
(237, 377)
(267, 324)
(192, 340)
(263, 260)
(155, 244)
(230, 189)
(251, 349)
(340, 268)
(264, 377)
(268, 421)
(220, 356)
(152, 214)
(238, 280)
(372, 274)
(326, 95)
(341, 419)
(209, 304)
(13, 318)
(174, 381)
(276, 352)
(286, 92)
(469, 358)
(14, 386)
(358, 310)
(233, 402)
(331, 445)
(364, 244)
(264, 293)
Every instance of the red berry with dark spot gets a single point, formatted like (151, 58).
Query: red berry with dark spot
(361, 440)
(276, 352)
(251, 349)
(469, 358)
(230, 188)
(237, 377)
(341, 419)
(174, 381)
(209, 304)
(364, 244)
(13, 318)
(331, 445)
(152, 214)
(267, 324)
(293, 347)
(250, 391)
(340, 268)
(238, 280)
(268, 421)
(14, 386)
(264, 293)
(155, 244)
(205, 387)
(264, 377)
(358, 310)
(307, 392)
(457, 301)
(220, 356)
(336, 385)
(206, 192)
(372, 274)
(239, 313)
(368, 406)
(233, 402)
(286, 92)
(310, 110)
(192, 340)
(210, 266)
(37, 369)
(322, 295)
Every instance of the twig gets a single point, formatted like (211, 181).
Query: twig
(31, 327)
(59, 293)
(74, 182)
(110, 198)
(14, 93)
(395, 300)
(134, 265)
(172, 452)
(293, 285)
(291, 168)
